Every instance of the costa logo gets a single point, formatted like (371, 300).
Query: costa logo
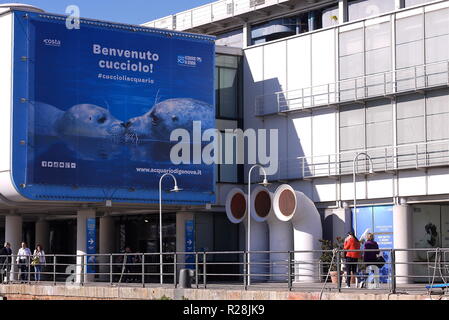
(52, 42)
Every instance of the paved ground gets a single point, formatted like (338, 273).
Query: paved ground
(214, 291)
(416, 288)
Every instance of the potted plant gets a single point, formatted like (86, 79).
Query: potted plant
(326, 257)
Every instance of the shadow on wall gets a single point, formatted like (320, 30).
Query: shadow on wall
(261, 96)
(295, 136)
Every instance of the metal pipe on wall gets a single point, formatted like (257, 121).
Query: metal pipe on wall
(295, 206)
(236, 212)
(280, 232)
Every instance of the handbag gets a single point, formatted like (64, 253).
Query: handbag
(380, 261)
(35, 261)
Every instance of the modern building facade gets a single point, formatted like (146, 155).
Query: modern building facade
(335, 78)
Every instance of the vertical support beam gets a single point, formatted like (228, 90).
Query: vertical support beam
(43, 234)
(342, 11)
(402, 238)
(81, 243)
(181, 218)
(312, 20)
(106, 245)
(246, 35)
(13, 235)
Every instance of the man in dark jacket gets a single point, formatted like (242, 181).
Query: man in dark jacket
(5, 261)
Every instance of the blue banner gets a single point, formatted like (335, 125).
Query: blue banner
(190, 243)
(103, 103)
(91, 244)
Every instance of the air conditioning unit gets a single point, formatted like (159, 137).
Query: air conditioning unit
(254, 3)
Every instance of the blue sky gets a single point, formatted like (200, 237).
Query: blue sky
(129, 11)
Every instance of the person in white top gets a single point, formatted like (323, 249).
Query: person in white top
(38, 262)
(23, 257)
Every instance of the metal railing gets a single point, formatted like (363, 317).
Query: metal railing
(215, 11)
(384, 84)
(387, 159)
(404, 270)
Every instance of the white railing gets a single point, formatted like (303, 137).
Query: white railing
(388, 159)
(356, 89)
(209, 13)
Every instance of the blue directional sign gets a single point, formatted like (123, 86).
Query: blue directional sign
(91, 244)
(190, 243)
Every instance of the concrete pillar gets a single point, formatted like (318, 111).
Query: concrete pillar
(106, 245)
(43, 234)
(402, 239)
(340, 221)
(81, 243)
(13, 235)
(181, 218)
(259, 242)
(342, 11)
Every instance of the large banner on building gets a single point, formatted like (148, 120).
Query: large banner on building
(103, 102)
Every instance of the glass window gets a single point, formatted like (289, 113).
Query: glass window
(227, 61)
(438, 115)
(352, 138)
(227, 173)
(351, 66)
(228, 89)
(409, 29)
(410, 54)
(410, 119)
(359, 9)
(378, 60)
(410, 3)
(330, 17)
(351, 42)
(411, 126)
(378, 36)
(379, 128)
(227, 86)
(437, 23)
(352, 128)
(437, 49)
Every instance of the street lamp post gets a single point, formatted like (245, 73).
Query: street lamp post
(175, 189)
(248, 229)
(354, 172)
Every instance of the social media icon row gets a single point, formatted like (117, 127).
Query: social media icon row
(57, 164)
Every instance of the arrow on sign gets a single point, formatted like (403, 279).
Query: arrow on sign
(91, 241)
(189, 242)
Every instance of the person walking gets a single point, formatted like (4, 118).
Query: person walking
(38, 262)
(129, 265)
(23, 257)
(352, 257)
(370, 257)
(5, 262)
